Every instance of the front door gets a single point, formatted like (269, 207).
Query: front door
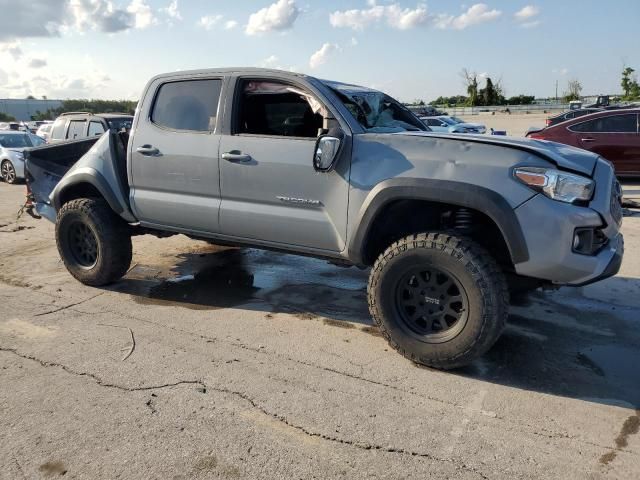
(174, 156)
(270, 190)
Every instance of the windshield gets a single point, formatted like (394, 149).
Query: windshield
(15, 141)
(36, 141)
(375, 111)
(118, 124)
(450, 121)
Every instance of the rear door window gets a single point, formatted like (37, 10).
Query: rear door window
(187, 105)
(77, 129)
(95, 128)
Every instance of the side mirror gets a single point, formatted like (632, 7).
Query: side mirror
(326, 152)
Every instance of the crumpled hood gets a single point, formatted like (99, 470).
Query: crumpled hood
(564, 156)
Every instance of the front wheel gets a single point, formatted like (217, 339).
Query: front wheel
(94, 242)
(439, 299)
(8, 172)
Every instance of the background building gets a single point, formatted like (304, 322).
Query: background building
(23, 109)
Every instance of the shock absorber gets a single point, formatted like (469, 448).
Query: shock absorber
(463, 220)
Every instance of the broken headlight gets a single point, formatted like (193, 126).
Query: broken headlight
(556, 184)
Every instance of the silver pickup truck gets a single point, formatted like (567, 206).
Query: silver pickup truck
(449, 224)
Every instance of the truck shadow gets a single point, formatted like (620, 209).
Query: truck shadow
(560, 343)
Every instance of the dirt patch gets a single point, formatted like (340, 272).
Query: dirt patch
(25, 329)
(211, 464)
(52, 469)
(375, 331)
(337, 323)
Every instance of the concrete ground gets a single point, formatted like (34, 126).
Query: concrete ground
(218, 363)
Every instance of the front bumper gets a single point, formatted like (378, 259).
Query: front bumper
(549, 229)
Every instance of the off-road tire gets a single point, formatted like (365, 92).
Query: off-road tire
(112, 241)
(477, 273)
(8, 172)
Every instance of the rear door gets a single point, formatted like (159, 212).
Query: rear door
(614, 137)
(270, 190)
(174, 154)
(77, 129)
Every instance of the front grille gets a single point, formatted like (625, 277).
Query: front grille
(616, 201)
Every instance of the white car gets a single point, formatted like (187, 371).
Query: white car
(44, 131)
(443, 123)
(12, 145)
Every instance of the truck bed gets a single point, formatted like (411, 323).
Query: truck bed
(47, 165)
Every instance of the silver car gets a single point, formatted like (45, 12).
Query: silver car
(12, 145)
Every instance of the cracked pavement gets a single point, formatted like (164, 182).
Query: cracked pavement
(206, 362)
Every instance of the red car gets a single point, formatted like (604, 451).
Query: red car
(613, 134)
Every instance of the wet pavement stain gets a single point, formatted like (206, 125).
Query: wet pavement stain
(303, 287)
(631, 426)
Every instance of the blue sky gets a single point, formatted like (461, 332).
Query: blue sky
(109, 48)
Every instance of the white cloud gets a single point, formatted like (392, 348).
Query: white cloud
(354, 41)
(13, 48)
(532, 24)
(230, 24)
(407, 18)
(50, 18)
(321, 56)
(476, 14)
(172, 10)
(394, 15)
(560, 71)
(526, 13)
(37, 63)
(209, 21)
(142, 14)
(269, 62)
(276, 17)
(99, 15)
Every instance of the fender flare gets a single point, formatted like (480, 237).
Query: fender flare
(481, 199)
(91, 176)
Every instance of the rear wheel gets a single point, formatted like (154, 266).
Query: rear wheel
(94, 242)
(439, 299)
(8, 172)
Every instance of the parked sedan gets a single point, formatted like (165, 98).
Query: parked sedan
(613, 134)
(12, 145)
(448, 124)
(481, 128)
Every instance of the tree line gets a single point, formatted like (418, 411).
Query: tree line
(91, 106)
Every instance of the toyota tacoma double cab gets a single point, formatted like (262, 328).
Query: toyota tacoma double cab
(450, 225)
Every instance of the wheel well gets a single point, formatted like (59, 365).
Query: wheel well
(400, 218)
(79, 190)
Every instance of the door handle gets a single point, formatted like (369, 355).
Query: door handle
(588, 139)
(148, 150)
(236, 156)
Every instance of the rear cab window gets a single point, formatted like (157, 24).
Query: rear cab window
(187, 105)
